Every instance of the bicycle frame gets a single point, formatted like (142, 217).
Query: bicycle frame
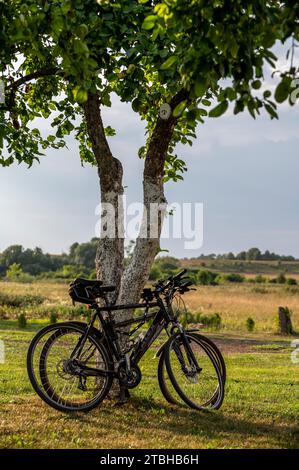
(111, 327)
(161, 319)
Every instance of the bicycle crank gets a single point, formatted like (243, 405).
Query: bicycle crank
(131, 378)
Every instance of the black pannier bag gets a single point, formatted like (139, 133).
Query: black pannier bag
(84, 290)
(87, 291)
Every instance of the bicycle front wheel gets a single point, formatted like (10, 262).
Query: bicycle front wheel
(195, 372)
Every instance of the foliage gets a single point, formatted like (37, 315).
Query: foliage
(15, 273)
(291, 281)
(259, 279)
(253, 254)
(15, 300)
(146, 52)
(22, 321)
(230, 277)
(212, 321)
(155, 273)
(31, 261)
(206, 277)
(281, 279)
(19, 262)
(53, 318)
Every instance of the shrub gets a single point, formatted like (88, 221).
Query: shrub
(281, 279)
(155, 273)
(230, 277)
(15, 273)
(53, 318)
(206, 277)
(212, 321)
(291, 281)
(259, 279)
(12, 300)
(259, 290)
(250, 324)
(22, 322)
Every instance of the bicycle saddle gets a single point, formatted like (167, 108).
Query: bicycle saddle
(94, 283)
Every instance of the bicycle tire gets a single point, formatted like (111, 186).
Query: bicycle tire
(35, 378)
(162, 370)
(216, 400)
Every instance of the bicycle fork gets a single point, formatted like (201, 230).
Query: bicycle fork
(189, 354)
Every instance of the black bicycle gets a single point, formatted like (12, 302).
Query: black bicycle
(72, 365)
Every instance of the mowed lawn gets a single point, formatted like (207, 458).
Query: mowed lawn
(261, 407)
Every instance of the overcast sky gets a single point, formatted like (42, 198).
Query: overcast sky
(245, 172)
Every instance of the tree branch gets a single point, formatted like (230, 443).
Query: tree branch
(147, 243)
(32, 76)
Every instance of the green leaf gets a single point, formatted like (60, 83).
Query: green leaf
(219, 110)
(256, 84)
(169, 62)
(149, 22)
(271, 111)
(80, 95)
(136, 105)
(282, 90)
(200, 88)
(179, 108)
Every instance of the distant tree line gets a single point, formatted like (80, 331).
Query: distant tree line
(253, 254)
(80, 261)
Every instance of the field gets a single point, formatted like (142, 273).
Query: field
(260, 410)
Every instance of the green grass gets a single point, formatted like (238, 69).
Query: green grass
(261, 407)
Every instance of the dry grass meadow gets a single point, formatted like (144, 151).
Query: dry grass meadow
(261, 406)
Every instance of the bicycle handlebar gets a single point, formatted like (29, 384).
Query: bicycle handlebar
(171, 281)
(177, 276)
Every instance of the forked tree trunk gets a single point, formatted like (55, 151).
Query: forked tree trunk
(129, 282)
(110, 256)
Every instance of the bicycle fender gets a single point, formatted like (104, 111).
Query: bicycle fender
(94, 330)
(161, 349)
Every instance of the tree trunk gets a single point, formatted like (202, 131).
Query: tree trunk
(110, 256)
(148, 242)
(285, 322)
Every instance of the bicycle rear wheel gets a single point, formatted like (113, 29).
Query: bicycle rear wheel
(57, 378)
(195, 371)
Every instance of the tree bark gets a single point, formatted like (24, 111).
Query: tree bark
(110, 254)
(147, 246)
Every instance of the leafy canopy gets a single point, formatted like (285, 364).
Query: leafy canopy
(53, 53)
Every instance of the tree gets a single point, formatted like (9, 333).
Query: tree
(253, 254)
(186, 56)
(84, 254)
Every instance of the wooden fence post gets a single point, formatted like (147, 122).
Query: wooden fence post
(285, 322)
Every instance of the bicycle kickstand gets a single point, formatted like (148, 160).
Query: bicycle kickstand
(124, 395)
